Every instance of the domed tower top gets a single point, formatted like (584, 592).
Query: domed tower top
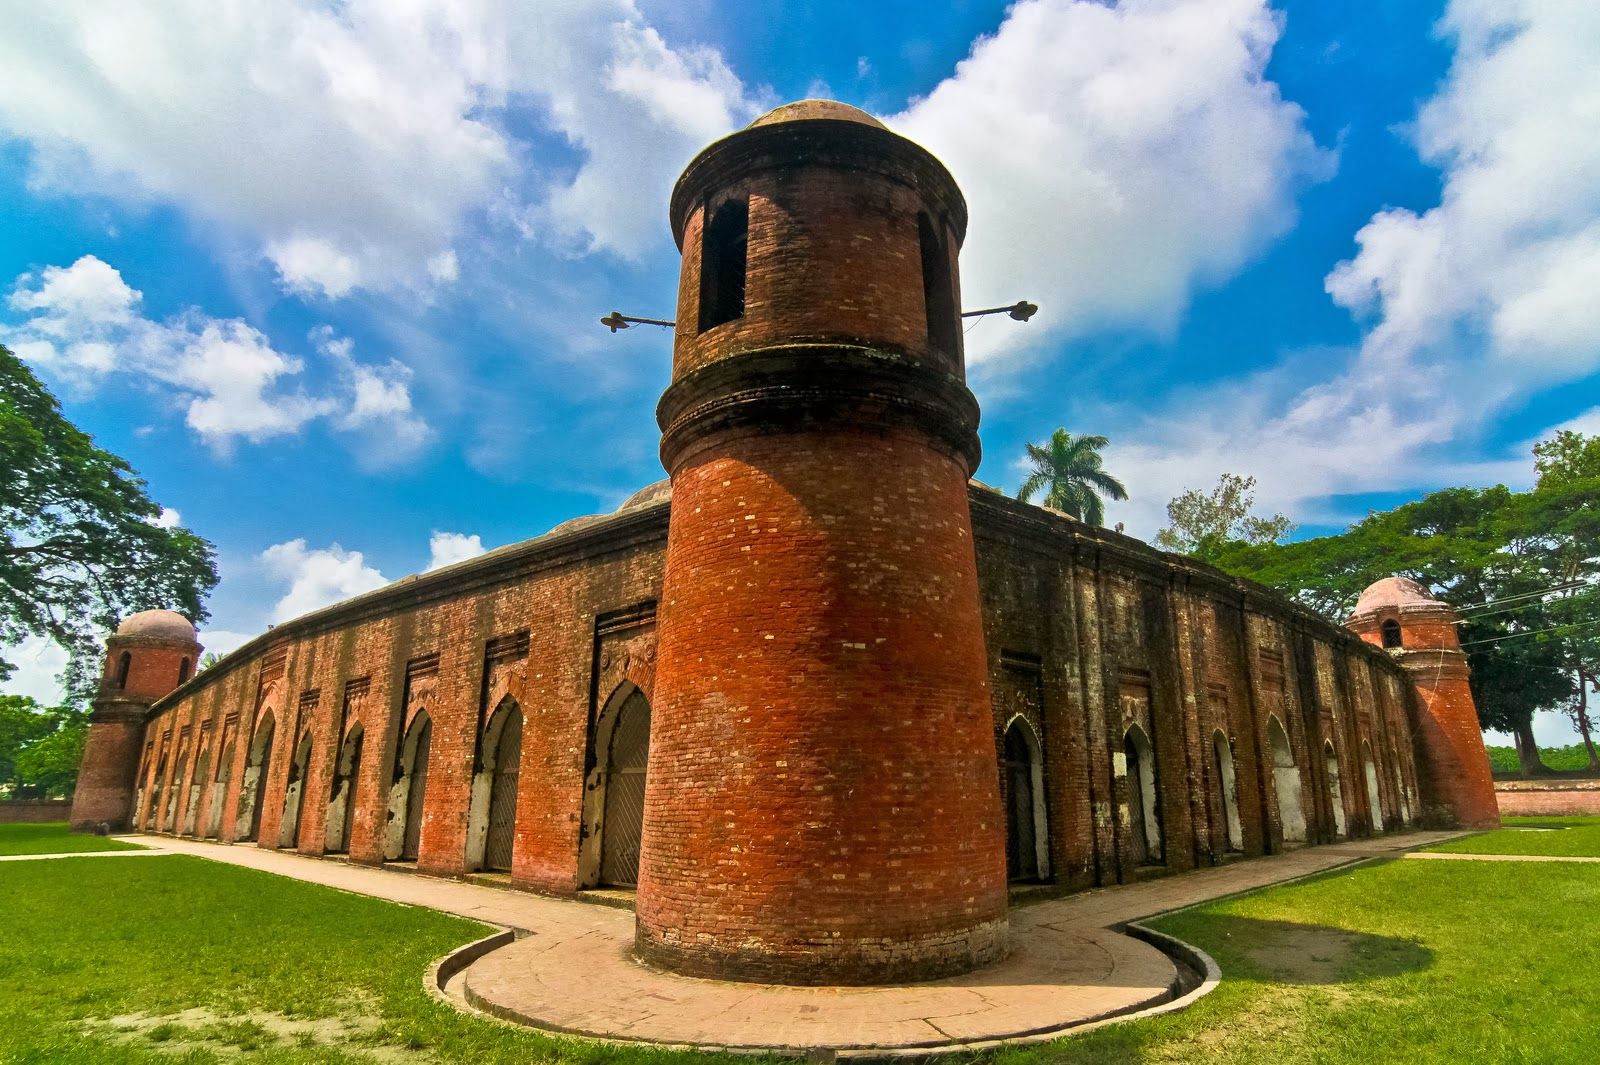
(151, 653)
(1399, 613)
(813, 227)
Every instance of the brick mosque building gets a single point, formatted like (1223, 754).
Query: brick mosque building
(819, 696)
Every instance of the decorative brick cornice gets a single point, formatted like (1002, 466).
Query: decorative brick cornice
(794, 386)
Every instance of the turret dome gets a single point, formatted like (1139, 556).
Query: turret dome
(158, 625)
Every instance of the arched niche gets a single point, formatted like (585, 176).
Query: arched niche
(253, 785)
(294, 793)
(1027, 818)
(219, 789)
(1335, 789)
(1144, 797)
(197, 784)
(403, 835)
(492, 815)
(1286, 783)
(1374, 797)
(342, 801)
(1227, 790)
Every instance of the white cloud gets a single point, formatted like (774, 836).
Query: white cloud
(168, 519)
(317, 577)
(84, 324)
(448, 548)
(1115, 158)
(1470, 306)
(353, 143)
(38, 663)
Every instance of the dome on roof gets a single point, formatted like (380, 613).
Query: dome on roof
(1394, 592)
(651, 493)
(157, 625)
(802, 110)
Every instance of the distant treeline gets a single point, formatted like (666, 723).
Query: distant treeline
(1560, 759)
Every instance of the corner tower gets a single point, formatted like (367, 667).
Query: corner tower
(1400, 616)
(151, 653)
(823, 802)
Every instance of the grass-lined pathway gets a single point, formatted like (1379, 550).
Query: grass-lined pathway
(53, 838)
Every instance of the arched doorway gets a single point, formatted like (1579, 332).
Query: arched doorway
(152, 813)
(253, 785)
(294, 794)
(169, 819)
(492, 821)
(219, 790)
(1144, 800)
(197, 783)
(342, 806)
(1227, 790)
(1027, 824)
(1374, 799)
(1335, 789)
(622, 740)
(404, 836)
(1286, 782)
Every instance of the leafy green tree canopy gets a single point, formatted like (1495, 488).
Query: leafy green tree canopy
(39, 748)
(1202, 523)
(1523, 568)
(79, 543)
(1069, 471)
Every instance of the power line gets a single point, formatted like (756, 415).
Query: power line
(1588, 590)
(1535, 632)
(1563, 586)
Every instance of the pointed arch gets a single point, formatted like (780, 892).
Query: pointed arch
(124, 664)
(492, 816)
(1335, 789)
(1144, 797)
(1374, 798)
(1286, 782)
(403, 838)
(342, 803)
(724, 256)
(1391, 634)
(613, 813)
(294, 793)
(197, 784)
(219, 786)
(1027, 817)
(253, 785)
(152, 814)
(1227, 790)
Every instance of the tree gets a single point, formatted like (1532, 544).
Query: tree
(1069, 471)
(1472, 548)
(1202, 523)
(79, 543)
(39, 748)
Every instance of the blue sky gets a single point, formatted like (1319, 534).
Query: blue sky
(329, 276)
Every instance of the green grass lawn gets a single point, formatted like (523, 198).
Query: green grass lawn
(174, 958)
(52, 837)
(1565, 836)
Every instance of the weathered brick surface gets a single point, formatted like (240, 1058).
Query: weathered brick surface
(845, 632)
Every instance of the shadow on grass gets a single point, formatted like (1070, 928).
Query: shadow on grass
(1288, 953)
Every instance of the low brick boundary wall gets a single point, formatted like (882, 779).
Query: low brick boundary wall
(34, 811)
(1542, 797)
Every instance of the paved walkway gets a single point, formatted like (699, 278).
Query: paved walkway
(570, 971)
(76, 854)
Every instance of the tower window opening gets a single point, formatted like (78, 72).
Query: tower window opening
(183, 671)
(938, 286)
(123, 665)
(1391, 633)
(724, 252)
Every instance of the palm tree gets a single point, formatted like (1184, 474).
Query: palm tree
(1069, 472)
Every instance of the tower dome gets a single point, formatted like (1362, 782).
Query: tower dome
(804, 110)
(158, 625)
(1395, 593)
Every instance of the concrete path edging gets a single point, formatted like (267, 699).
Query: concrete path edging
(1459, 857)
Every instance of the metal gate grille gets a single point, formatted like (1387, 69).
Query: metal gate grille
(624, 815)
(503, 796)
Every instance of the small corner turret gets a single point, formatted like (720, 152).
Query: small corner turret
(151, 653)
(1400, 615)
